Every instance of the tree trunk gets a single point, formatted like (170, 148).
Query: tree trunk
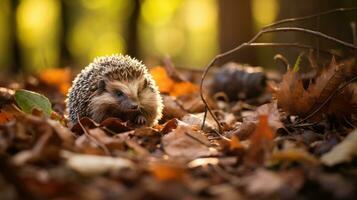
(16, 65)
(236, 27)
(133, 30)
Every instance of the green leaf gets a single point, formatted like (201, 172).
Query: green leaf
(297, 62)
(28, 100)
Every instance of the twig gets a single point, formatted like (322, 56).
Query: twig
(308, 31)
(197, 139)
(296, 45)
(283, 60)
(328, 12)
(105, 149)
(328, 99)
(204, 119)
(349, 123)
(354, 34)
(247, 44)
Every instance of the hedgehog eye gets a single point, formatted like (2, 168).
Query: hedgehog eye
(119, 93)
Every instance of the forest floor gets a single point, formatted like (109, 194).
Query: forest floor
(280, 136)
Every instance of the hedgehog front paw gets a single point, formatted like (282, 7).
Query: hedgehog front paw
(140, 120)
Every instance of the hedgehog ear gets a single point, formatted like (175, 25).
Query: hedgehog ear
(101, 85)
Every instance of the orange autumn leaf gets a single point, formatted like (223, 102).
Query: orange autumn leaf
(5, 117)
(61, 78)
(235, 143)
(261, 143)
(64, 87)
(162, 79)
(164, 171)
(167, 85)
(263, 130)
(182, 88)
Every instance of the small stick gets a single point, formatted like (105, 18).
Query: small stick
(283, 60)
(197, 139)
(354, 34)
(297, 45)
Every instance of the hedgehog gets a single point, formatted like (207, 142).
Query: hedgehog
(115, 86)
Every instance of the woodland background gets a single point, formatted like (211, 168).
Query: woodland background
(285, 130)
(39, 34)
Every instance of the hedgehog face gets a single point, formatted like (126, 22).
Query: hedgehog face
(115, 98)
(125, 94)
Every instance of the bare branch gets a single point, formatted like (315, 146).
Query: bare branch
(296, 45)
(328, 12)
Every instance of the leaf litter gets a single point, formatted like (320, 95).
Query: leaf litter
(299, 144)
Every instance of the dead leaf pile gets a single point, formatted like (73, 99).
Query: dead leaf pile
(261, 152)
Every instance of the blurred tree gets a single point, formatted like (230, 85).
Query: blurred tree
(16, 59)
(65, 18)
(337, 25)
(236, 27)
(133, 30)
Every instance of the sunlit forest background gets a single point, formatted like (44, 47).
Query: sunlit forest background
(39, 34)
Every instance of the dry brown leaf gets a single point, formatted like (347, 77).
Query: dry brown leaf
(264, 182)
(193, 102)
(271, 111)
(186, 142)
(172, 109)
(291, 96)
(293, 99)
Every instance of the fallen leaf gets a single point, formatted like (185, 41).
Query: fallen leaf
(342, 152)
(172, 109)
(28, 100)
(163, 81)
(271, 111)
(198, 162)
(196, 120)
(183, 88)
(235, 143)
(59, 77)
(261, 143)
(264, 182)
(293, 99)
(167, 171)
(293, 154)
(170, 86)
(115, 125)
(5, 117)
(187, 143)
(94, 165)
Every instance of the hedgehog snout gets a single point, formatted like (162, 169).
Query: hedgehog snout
(134, 106)
(129, 105)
